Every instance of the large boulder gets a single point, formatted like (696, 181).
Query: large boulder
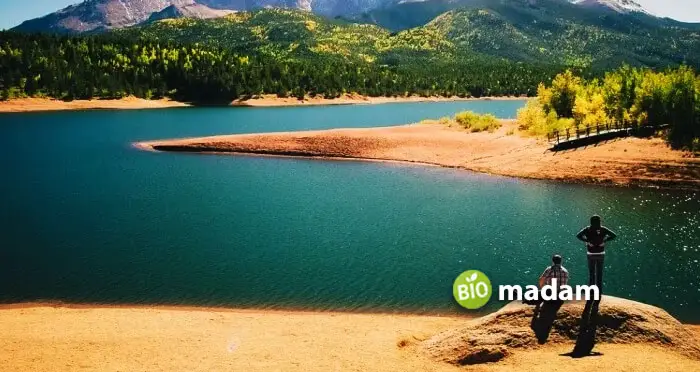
(495, 336)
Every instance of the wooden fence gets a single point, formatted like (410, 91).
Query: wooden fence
(583, 136)
(558, 137)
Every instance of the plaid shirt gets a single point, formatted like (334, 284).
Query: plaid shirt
(558, 272)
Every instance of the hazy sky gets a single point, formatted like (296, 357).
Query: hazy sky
(13, 12)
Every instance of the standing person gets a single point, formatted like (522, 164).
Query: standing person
(595, 236)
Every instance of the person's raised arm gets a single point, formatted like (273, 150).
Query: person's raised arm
(582, 235)
(609, 235)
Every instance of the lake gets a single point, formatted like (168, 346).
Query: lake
(87, 218)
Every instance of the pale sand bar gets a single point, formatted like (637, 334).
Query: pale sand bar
(271, 100)
(47, 104)
(133, 103)
(628, 161)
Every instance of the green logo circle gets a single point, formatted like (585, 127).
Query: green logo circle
(472, 289)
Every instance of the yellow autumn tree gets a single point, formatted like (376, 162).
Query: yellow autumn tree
(561, 95)
(589, 106)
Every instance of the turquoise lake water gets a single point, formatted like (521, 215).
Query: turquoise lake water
(88, 218)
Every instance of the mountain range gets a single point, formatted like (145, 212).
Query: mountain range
(580, 33)
(98, 15)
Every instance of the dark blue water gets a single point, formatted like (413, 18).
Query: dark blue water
(88, 218)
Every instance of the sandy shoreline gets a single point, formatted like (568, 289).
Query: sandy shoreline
(47, 104)
(354, 99)
(175, 339)
(625, 162)
(223, 309)
(92, 338)
(133, 103)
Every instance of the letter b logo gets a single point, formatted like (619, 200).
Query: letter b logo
(472, 289)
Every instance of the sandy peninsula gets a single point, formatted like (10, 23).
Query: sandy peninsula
(89, 338)
(48, 104)
(271, 100)
(628, 161)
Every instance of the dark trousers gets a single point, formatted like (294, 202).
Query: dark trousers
(595, 271)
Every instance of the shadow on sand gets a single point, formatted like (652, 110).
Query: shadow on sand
(575, 356)
(546, 313)
(587, 331)
(543, 319)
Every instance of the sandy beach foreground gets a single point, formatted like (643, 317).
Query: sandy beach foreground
(628, 161)
(48, 104)
(47, 338)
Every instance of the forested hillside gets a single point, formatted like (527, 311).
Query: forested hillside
(552, 30)
(555, 34)
(468, 52)
(584, 34)
(112, 66)
(281, 34)
(565, 41)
